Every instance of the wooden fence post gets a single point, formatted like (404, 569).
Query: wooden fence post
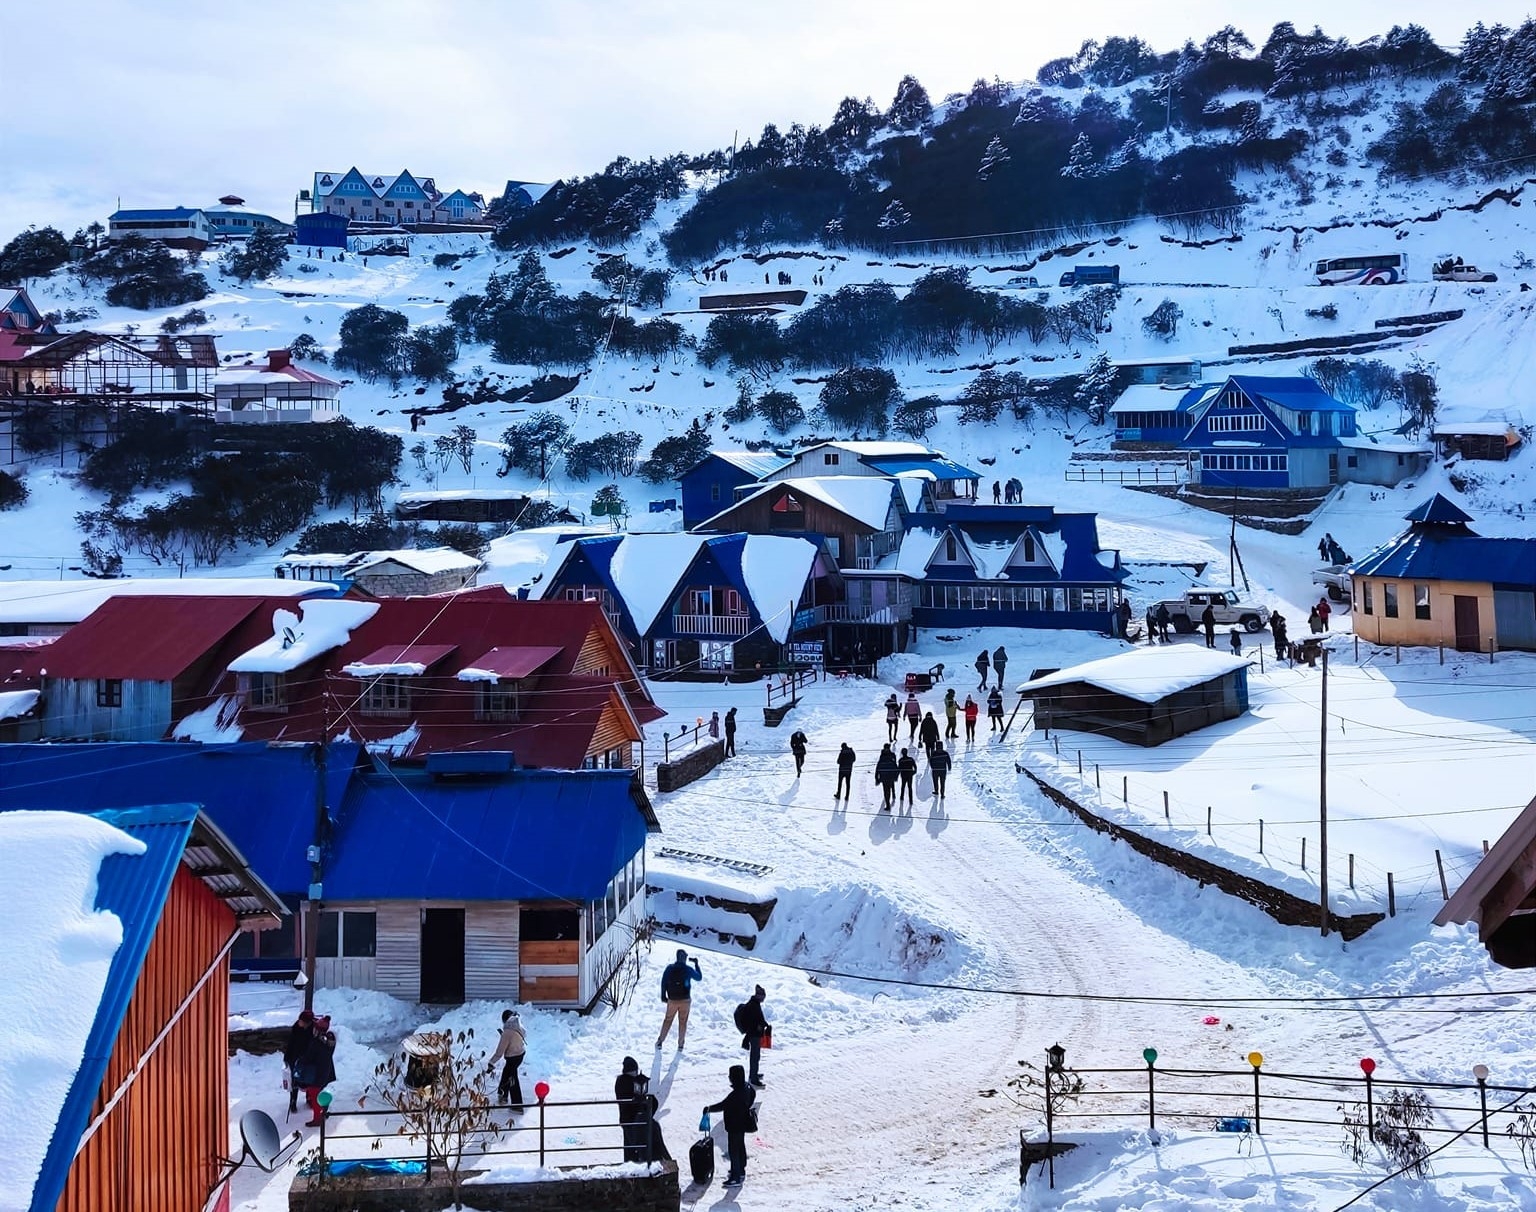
(1261, 835)
(1207, 820)
(1351, 872)
(1445, 893)
(1303, 852)
(1125, 795)
(1391, 897)
(1166, 815)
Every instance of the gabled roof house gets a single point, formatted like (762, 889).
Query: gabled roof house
(713, 483)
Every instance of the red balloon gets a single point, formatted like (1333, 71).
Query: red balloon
(541, 1091)
(1368, 1066)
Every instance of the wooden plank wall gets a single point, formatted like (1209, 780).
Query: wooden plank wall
(491, 950)
(158, 1150)
(397, 960)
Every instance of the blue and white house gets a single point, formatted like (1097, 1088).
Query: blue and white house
(181, 227)
(711, 484)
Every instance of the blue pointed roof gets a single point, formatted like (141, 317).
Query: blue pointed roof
(1438, 511)
(1290, 391)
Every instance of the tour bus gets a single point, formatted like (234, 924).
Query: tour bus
(1380, 270)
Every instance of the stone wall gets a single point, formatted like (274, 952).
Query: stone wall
(582, 1191)
(695, 765)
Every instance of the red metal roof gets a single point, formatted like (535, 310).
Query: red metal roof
(513, 662)
(150, 639)
(425, 655)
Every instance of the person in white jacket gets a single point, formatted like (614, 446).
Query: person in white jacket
(510, 1049)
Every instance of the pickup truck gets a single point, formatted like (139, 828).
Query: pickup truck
(1023, 282)
(1226, 604)
(1335, 581)
(1450, 271)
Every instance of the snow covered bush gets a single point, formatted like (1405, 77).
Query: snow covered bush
(1163, 321)
(13, 491)
(861, 399)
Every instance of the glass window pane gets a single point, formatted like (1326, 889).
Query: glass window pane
(330, 921)
(359, 933)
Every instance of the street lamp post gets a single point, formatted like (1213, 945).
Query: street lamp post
(1055, 1059)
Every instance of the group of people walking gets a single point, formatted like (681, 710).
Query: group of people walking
(1010, 492)
(728, 726)
(998, 661)
(309, 1062)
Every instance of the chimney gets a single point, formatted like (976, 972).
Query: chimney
(278, 359)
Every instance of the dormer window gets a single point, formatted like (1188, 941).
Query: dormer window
(1029, 549)
(502, 700)
(387, 696)
(951, 551)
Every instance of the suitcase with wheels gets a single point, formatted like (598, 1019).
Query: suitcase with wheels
(701, 1159)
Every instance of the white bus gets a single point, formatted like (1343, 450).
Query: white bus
(1380, 270)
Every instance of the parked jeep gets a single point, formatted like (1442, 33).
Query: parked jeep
(1334, 580)
(1226, 604)
(1023, 282)
(1455, 271)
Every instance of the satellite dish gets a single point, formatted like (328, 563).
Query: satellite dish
(261, 1142)
(289, 639)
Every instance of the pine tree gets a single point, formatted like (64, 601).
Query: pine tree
(1081, 165)
(995, 155)
(911, 109)
(1097, 390)
(896, 215)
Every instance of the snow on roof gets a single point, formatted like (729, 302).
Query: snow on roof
(426, 560)
(646, 568)
(911, 484)
(775, 568)
(1385, 445)
(16, 703)
(876, 450)
(72, 601)
(1491, 429)
(524, 556)
(327, 624)
(917, 548)
(1149, 397)
(991, 557)
(399, 660)
(866, 498)
(53, 986)
(216, 724)
(754, 463)
(1145, 674)
(423, 495)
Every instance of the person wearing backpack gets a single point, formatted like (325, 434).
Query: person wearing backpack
(892, 716)
(938, 765)
(845, 760)
(797, 747)
(753, 1027)
(951, 714)
(677, 991)
(740, 1118)
(983, 664)
(906, 771)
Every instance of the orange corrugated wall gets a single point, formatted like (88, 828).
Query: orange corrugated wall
(158, 1151)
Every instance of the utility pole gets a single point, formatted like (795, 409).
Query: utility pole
(1322, 804)
(322, 824)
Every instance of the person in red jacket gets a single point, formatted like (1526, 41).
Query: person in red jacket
(971, 712)
(1324, 610)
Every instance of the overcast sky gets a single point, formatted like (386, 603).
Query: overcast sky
(181, 102)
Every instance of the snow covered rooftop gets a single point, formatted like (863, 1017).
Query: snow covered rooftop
(1488, 429)
(753, 462)
(16, 703)
(1389, 445)
(72, 601)
(54, 985)
(1145, 674)
(426, 560)
(646, 568)
(423, 496)
(881, 450)
(775, 568)
(1149, 397)
(326, 624)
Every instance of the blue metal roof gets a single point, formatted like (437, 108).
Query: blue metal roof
(1430, 556)
(531, 835)
(1438, 511)
(134, 888)
(755, 463)
(262, 796)
(942, 468)
(1290, 391)
(168, 212)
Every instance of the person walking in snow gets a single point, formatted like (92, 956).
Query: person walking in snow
(972, 710)
(1164, 621)
(637, 1115)
(999, 663)
(951, 711)
(885, 776)
(730, 733)
(1237, 642)
(714, 725)
(995, 710)
(845, 760)
(1323, 611)
(938, 765)
(1208, 621)
(997, 493)
(677, 992)
(1322, 548)
(928, 732)
(737, 1109)
(1315, 622)
(1126, 615)
(317, 1067)
(797, 747)
(753, 1025)
(892, 716)
(1277, 629)
(914, 713)
(906, 770)
(511, 1046)
(983, 663)
(1151, 624)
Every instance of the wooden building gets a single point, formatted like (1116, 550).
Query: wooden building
(1439, 583)
(1143, 696)
(461, 505)
(1500, 895)
(410, 572)
(1487, 440)
(145, 1122)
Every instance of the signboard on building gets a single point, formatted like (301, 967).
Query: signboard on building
(808, 652)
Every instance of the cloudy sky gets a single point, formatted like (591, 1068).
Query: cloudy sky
(160, 102)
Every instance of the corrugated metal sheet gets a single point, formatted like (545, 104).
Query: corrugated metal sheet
(170, 635)
(261, 796)
(941, 467)
(538, 834)
(491, 934)
(1427, 556)
(134, 888)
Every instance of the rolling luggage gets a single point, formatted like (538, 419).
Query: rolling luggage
(701, 1159)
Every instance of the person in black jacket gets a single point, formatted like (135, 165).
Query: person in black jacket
(797, 747)
(753, 1027)
(928, 732)
(317, 1067)
(1208, 621)
(885, 776)
(293, 1052)
(737, 1109)
(999, 663)
(845, 759)
(906, 770)
(637, 1113)
(938, 765)
(730, 733)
